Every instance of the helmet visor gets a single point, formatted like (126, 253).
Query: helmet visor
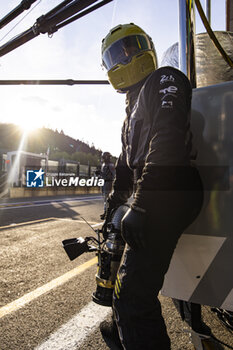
(122, 51)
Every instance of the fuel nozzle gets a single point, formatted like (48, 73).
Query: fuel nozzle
(75, 247)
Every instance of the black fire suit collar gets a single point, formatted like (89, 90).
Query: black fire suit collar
(132, 95)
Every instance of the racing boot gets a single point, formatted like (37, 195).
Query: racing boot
(110, 334)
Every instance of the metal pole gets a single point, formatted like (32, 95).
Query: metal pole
(191, 312)
(229, 15)
(186, 39)
(69, 82)
(208, 11)
(182, 36)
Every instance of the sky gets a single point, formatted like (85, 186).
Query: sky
(93, 114)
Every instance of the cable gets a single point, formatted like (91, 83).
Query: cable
(20, 21)
(220, 342)
(212, 336)
(212, 35)
(24, 5)
(224, 316)
(113, 13)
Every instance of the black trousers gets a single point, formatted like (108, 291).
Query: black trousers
(141, 273)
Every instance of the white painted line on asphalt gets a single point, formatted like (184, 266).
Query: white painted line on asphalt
(100, 223)
(73, 333)
(49, 203)
(14, 224)
(34, 222)
(66, 199)
(27, 298)
(92, 223)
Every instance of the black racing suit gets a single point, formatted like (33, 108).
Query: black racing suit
(156, 151)
(108, 174)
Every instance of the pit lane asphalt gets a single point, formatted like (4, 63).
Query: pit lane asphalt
(32, 256)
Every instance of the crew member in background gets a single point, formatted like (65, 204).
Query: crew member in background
(156, 148)
(108, 174)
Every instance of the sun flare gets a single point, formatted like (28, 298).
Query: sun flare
(28, 127)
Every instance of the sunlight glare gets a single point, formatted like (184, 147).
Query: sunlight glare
(15, 165)
(28, 128)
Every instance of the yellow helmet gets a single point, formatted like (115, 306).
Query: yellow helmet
(129, 56)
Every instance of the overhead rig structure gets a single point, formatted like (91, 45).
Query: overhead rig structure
(24, 5)
(69, 82)
(65, 13)
(69, 11)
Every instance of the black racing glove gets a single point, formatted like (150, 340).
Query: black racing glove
(133, 229)
(113, 202)
(110, 205)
